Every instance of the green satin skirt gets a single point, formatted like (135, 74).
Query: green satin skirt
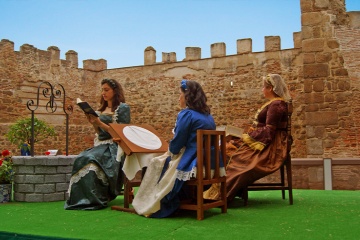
(96, 178)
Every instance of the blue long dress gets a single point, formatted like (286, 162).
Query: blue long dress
(183, 144)
(96, 176)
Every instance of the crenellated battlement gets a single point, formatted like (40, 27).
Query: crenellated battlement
(50, 57)
(244, 46)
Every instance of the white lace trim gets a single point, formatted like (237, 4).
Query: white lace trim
(98, 142)
(84, 171)
(185, 176)
(115, 116)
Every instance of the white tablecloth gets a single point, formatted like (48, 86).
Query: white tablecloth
(136, 161)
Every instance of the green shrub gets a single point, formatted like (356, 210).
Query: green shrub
(20, 132)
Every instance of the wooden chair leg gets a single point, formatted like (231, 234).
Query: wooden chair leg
(245, 196)
(289, 182)
(282, 179)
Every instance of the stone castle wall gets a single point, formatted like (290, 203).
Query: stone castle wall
(322, 72)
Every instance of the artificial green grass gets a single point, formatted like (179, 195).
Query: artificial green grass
(316, 214)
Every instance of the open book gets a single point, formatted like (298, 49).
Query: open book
(231, 130)
(86, 107)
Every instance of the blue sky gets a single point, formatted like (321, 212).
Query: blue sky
(120, 30)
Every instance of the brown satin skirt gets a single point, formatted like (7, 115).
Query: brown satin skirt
(246, 165)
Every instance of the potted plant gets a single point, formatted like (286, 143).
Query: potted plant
(6, 176)
(20, 133)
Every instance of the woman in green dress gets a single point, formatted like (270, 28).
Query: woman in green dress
(96, 176)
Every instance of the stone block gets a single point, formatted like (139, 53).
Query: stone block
(272, 43)
(67, 160)
(34, 179)
(316, 70)
(192, 53)
(45, 169)
(329, 98)
(333, 44)
(34, 197)
(329, 143)
(311, 18)
(314, 146)
(61, 187)
(341, 72)
(25, 170)
(314, 97)
(19, 178)
(318, 85)
(52, 161)
(31, 161)
(72, 58)
(168, 57)
(312, 107)
(321, 118)
(56, 178)
(321, 4)
(342, 97)
(68, 176)
(322, 57)
(308, 86)
(18, 160)
(310, 132)
(44, 188)
(319, 132)
(297, 38)
(218, 49)
(244, 45)
(309, 58)
(149, 56)
(53, 197)
(64, 169)
(307, 32)
(316, 174)
(344, 111)
(95, 65)
(24, 188)
(354, 17)
(19, 197)
(313, 45)
(344, 85)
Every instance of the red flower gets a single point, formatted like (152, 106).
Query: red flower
(5, 153)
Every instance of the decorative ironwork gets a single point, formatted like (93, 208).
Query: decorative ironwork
(52, 93)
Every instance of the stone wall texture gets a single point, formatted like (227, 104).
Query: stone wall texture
(42, 178)
(322, 72)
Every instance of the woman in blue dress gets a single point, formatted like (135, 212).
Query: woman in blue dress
(162, 186)
(96, 176)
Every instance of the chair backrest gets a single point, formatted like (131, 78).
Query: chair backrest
(213, 145)
(211, 157)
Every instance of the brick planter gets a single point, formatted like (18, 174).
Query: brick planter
(42, 178)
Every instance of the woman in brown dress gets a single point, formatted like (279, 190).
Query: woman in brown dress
(262, 150)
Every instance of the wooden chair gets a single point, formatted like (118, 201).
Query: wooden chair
(208, 140)
(127, 192)
(286, 167)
